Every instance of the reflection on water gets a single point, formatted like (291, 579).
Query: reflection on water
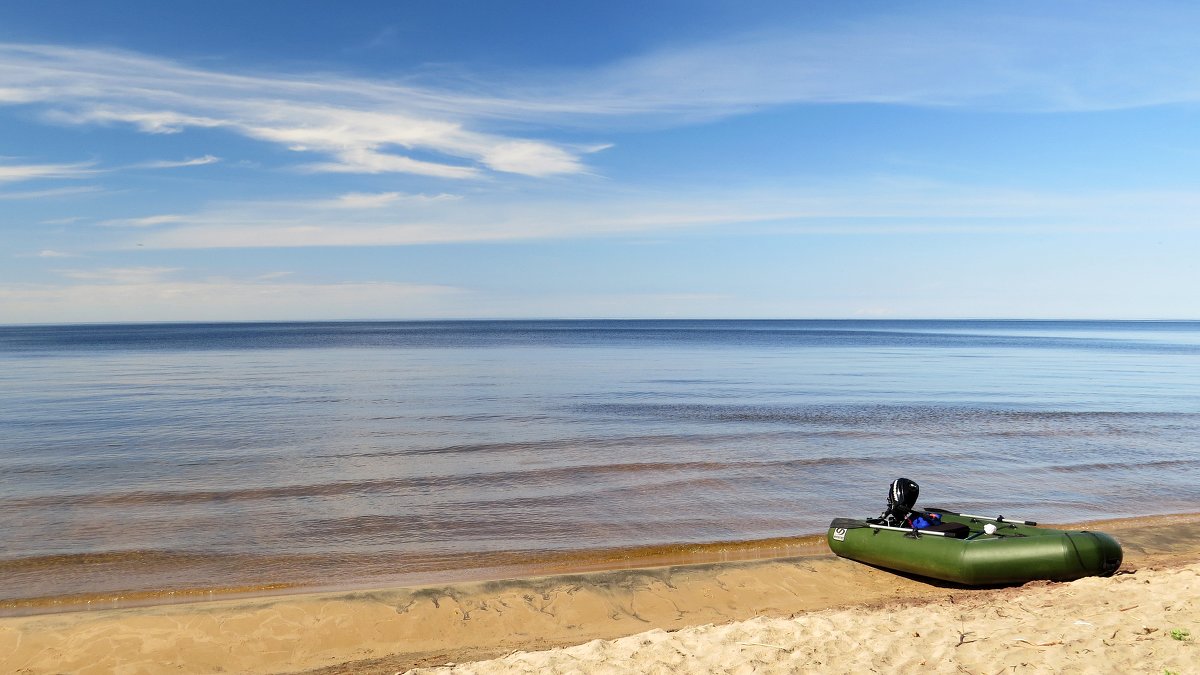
(150, 459)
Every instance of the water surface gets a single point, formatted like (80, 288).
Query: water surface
(141, 460)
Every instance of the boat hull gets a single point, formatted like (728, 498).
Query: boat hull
(1016, 554)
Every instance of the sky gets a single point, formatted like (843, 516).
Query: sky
(241, 161)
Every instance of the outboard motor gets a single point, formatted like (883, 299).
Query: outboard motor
(902, 496)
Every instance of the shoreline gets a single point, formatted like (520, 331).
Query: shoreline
(501, 565)
(390, 630)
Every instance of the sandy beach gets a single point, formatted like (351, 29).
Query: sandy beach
(813, 613)
(1120, 625)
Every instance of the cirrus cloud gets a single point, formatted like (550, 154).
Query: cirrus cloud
(1011, 58)
(151, 295)
(358, 126)
(11, 173)
(194, 161)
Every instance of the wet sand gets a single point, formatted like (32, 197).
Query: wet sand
(835, 601)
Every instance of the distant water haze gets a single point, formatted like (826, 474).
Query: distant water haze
(156, 461)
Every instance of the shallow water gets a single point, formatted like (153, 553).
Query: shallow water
(150, 459)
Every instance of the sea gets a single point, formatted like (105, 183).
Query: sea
(145, 463)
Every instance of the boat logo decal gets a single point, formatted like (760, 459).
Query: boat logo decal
(839, 534)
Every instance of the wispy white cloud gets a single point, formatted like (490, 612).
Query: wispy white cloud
(48, 253)
(10, 95)
(133, 296)
(153, 122)
(145, 221)
(881, 206)
(11, 173)
(52, 192)
(1030, 57)
(122, 275)
(195, 161)
(409, 222)
(376, 200)
(1022, 56)
(359, 126)
(361, 160)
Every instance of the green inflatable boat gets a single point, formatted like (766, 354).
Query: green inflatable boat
(972, 550)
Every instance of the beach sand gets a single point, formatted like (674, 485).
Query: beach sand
(1119, 625)
(814, 613)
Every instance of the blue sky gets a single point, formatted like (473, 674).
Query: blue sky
(202, 161)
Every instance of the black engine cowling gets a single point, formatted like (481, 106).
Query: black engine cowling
(902, 497)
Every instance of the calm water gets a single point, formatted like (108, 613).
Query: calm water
(139, 460)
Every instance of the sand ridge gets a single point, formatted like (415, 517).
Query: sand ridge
(1123, 624)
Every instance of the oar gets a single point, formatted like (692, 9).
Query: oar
(1001, 519)
(905, 529)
